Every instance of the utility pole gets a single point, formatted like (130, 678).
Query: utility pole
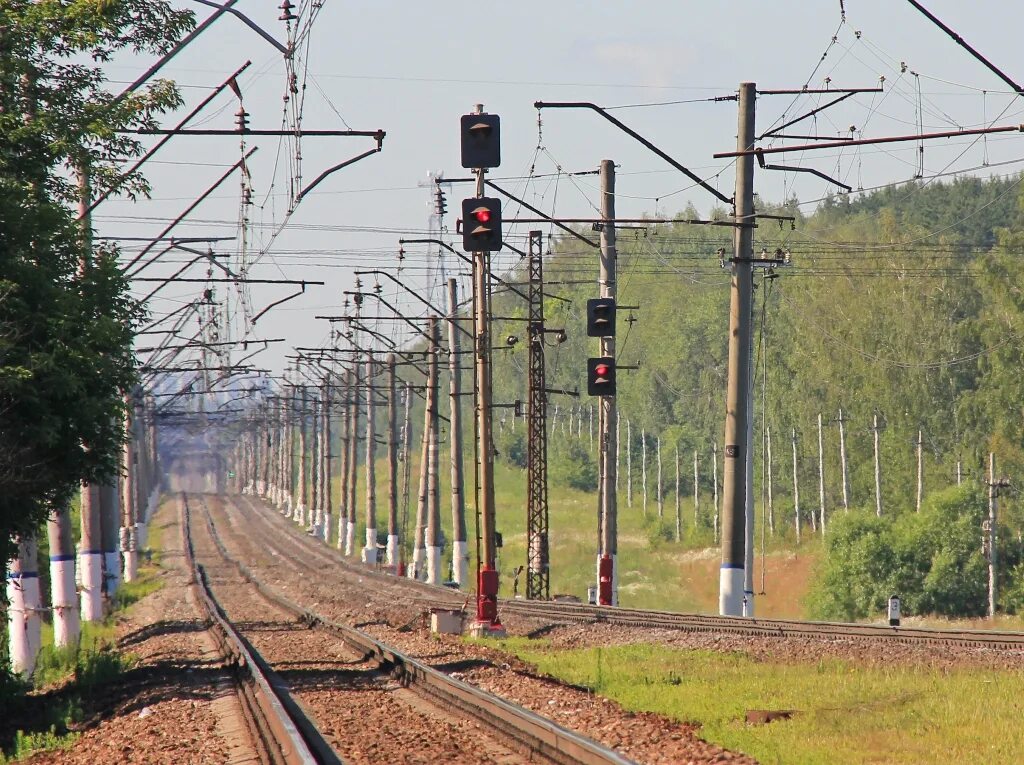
(406, 460)
(679, 516)
(460, 548)
(392, 547)
(538, 580)
(643, 467)
(370, 550)
(796, 490)
(821, 475)
(769, 478)
(658, 493)
(876, 430)
(608, 437)
(696, 488)
(433, 535)
(920, 469)
(842, 460)
(629, 464)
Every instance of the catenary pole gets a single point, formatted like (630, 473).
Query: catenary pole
(731, 579)
(608, 438)
(460, 547)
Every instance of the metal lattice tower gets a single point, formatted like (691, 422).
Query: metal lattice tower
(538, 584)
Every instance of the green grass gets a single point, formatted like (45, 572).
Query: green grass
(651, 562)
(847, 713)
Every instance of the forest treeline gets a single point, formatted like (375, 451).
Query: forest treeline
(903, 304)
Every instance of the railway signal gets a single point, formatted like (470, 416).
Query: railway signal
(601, 376)
(481, 140)
(481, 224)
(601, 317)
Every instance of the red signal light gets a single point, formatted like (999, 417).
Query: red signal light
(602, 370)
(482, 215)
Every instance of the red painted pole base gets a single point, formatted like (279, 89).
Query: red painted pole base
(604, 581)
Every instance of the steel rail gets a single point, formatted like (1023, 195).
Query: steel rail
(554, 611)
(281, 728)
(526, 729)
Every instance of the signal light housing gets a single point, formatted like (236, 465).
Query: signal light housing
(601, 317)
(481, 224)
(481, 140)
(601, 376)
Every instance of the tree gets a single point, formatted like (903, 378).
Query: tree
(66, 318)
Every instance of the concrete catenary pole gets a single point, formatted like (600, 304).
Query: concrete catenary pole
(353, 460)
(608, 438)
(460, 547)
(487, 621)
(63, 597)
(393, 541)
(23, 623)
(327, 397)
(796, 490)
(370, 549)
(714, 492)
(419, 549)
(679, 508)
(731, 579)
(90, 555)
(433, 532)
(303, 504)
(346, 435)
(128, 503)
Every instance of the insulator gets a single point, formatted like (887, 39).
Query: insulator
(286, 11)
(242, 119)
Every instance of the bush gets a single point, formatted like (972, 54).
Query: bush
(931, 559)
(571, 465)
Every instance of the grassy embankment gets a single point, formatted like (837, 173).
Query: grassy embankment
(845, 712)
(654, 570)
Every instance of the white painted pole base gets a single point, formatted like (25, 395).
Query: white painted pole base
(325, 529)
(370, 551)
(318, 521)
(66, 627)
(392, 550)
(350, 539)
(434, 565)
(342, 532)
(748, 604)
(22, 660)
(91, 568)
(460, 563)
(33, 606)
(112, 570)
(131, 565)
(730, 591)
(416, 571)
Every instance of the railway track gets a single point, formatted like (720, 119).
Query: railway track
(281, 731)
(578, 613)
(523, 730)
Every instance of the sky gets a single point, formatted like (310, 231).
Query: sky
(412, 68)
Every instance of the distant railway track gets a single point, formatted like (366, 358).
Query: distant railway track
(526, 731)
(578, 613)
(280, 730)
